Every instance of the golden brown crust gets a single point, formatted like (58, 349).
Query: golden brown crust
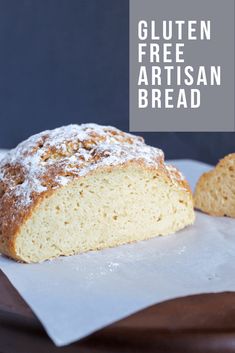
(51, 159)
(209, 195)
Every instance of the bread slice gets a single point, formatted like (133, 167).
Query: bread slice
(215, 190)
(87, 187)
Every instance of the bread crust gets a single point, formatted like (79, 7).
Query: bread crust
(47, 161)
(212, 185)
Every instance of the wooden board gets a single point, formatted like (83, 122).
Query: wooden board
(202, 323)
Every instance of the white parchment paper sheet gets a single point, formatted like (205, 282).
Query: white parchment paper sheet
(75, 296)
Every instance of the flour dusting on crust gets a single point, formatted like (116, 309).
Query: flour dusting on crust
(53, 158)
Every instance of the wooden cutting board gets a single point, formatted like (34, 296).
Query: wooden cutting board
(201, 323)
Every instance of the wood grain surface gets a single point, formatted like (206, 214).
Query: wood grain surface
(201, 323)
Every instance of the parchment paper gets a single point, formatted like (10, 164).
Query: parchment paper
(75, 296)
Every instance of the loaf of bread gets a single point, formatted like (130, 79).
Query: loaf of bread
(87, 187)
(215, 190)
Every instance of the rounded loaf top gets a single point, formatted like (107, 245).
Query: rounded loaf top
(53, 158)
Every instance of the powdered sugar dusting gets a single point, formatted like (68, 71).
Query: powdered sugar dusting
(53, 158)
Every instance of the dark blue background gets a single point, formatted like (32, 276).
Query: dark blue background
(66, 61)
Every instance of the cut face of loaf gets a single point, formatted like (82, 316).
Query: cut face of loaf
(215, 190)
(105, 209)
(87, 187)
